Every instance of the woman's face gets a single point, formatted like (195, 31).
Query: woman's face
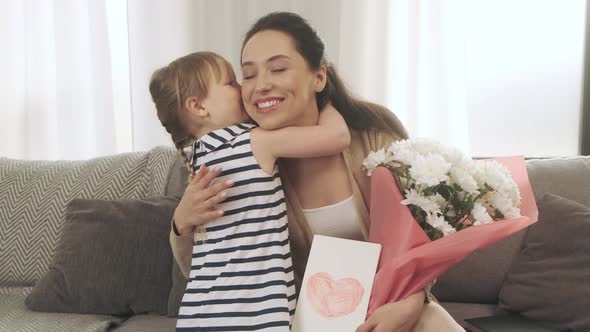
(278, 87)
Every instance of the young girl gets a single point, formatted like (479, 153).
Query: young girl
(241, 275)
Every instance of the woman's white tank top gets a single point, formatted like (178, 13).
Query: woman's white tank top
(337, 220)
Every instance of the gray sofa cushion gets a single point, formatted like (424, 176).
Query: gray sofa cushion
(15, 317)
(177, 178)
(479, 277)
(566, 177)
(550, 278)
(34, 194)
(462, 311)
(487, 268)
(148, 323)
(114, 258)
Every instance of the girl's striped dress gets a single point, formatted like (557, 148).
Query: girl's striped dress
(241, 276)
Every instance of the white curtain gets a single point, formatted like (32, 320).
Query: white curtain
(77, 72)
(404, 54)
(62, 97)
(409, 56)
(524, 75)
(490, 77)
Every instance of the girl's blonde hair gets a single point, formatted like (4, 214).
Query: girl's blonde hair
(172, 85)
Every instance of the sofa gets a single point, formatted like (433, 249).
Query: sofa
(469, 289)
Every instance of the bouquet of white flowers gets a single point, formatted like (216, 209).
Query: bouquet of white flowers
(445, 191)
(425, 197)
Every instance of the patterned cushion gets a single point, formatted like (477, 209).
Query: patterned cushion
(15, 317)
(34, 194)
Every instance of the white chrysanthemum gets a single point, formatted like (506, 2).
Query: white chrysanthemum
(415, 198)
(510, 190)
(374, 159)
(403, 151)
(477, 170)
(455, 156)
(480, 214)
(497, 176)
(499, 201)
(430, 170)
(438, 221)
(464, 179)
(512, 213)
(430, 163)
(447, 229)
(439, 200)
(435, 220)
(515, 195)
(504, 203)
(426, 146)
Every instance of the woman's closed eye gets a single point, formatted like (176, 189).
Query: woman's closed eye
(248, 76)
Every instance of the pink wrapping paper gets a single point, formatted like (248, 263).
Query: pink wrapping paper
(409, 259)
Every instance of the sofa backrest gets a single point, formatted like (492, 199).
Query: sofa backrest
(34, 195)
(177, 179)
(479, 277)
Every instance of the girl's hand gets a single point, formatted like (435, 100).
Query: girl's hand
(198, 203)
(395, 317)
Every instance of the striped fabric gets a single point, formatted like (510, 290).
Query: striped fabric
(241, 277)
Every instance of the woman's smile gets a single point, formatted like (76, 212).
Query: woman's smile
(268, 104)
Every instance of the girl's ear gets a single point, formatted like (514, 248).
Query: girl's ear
(321, 77)
(195, 107)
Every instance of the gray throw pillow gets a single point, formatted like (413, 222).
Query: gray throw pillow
(114, 258)
(549, 280)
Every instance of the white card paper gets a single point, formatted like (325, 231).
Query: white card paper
(337, 284)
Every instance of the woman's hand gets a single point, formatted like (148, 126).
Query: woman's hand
(395, 317)
(198, 204)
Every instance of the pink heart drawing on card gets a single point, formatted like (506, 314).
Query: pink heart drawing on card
(334, 298)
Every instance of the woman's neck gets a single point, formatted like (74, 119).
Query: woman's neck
(308, 118)
(311, 178)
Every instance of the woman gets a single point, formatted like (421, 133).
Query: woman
(286, 80)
